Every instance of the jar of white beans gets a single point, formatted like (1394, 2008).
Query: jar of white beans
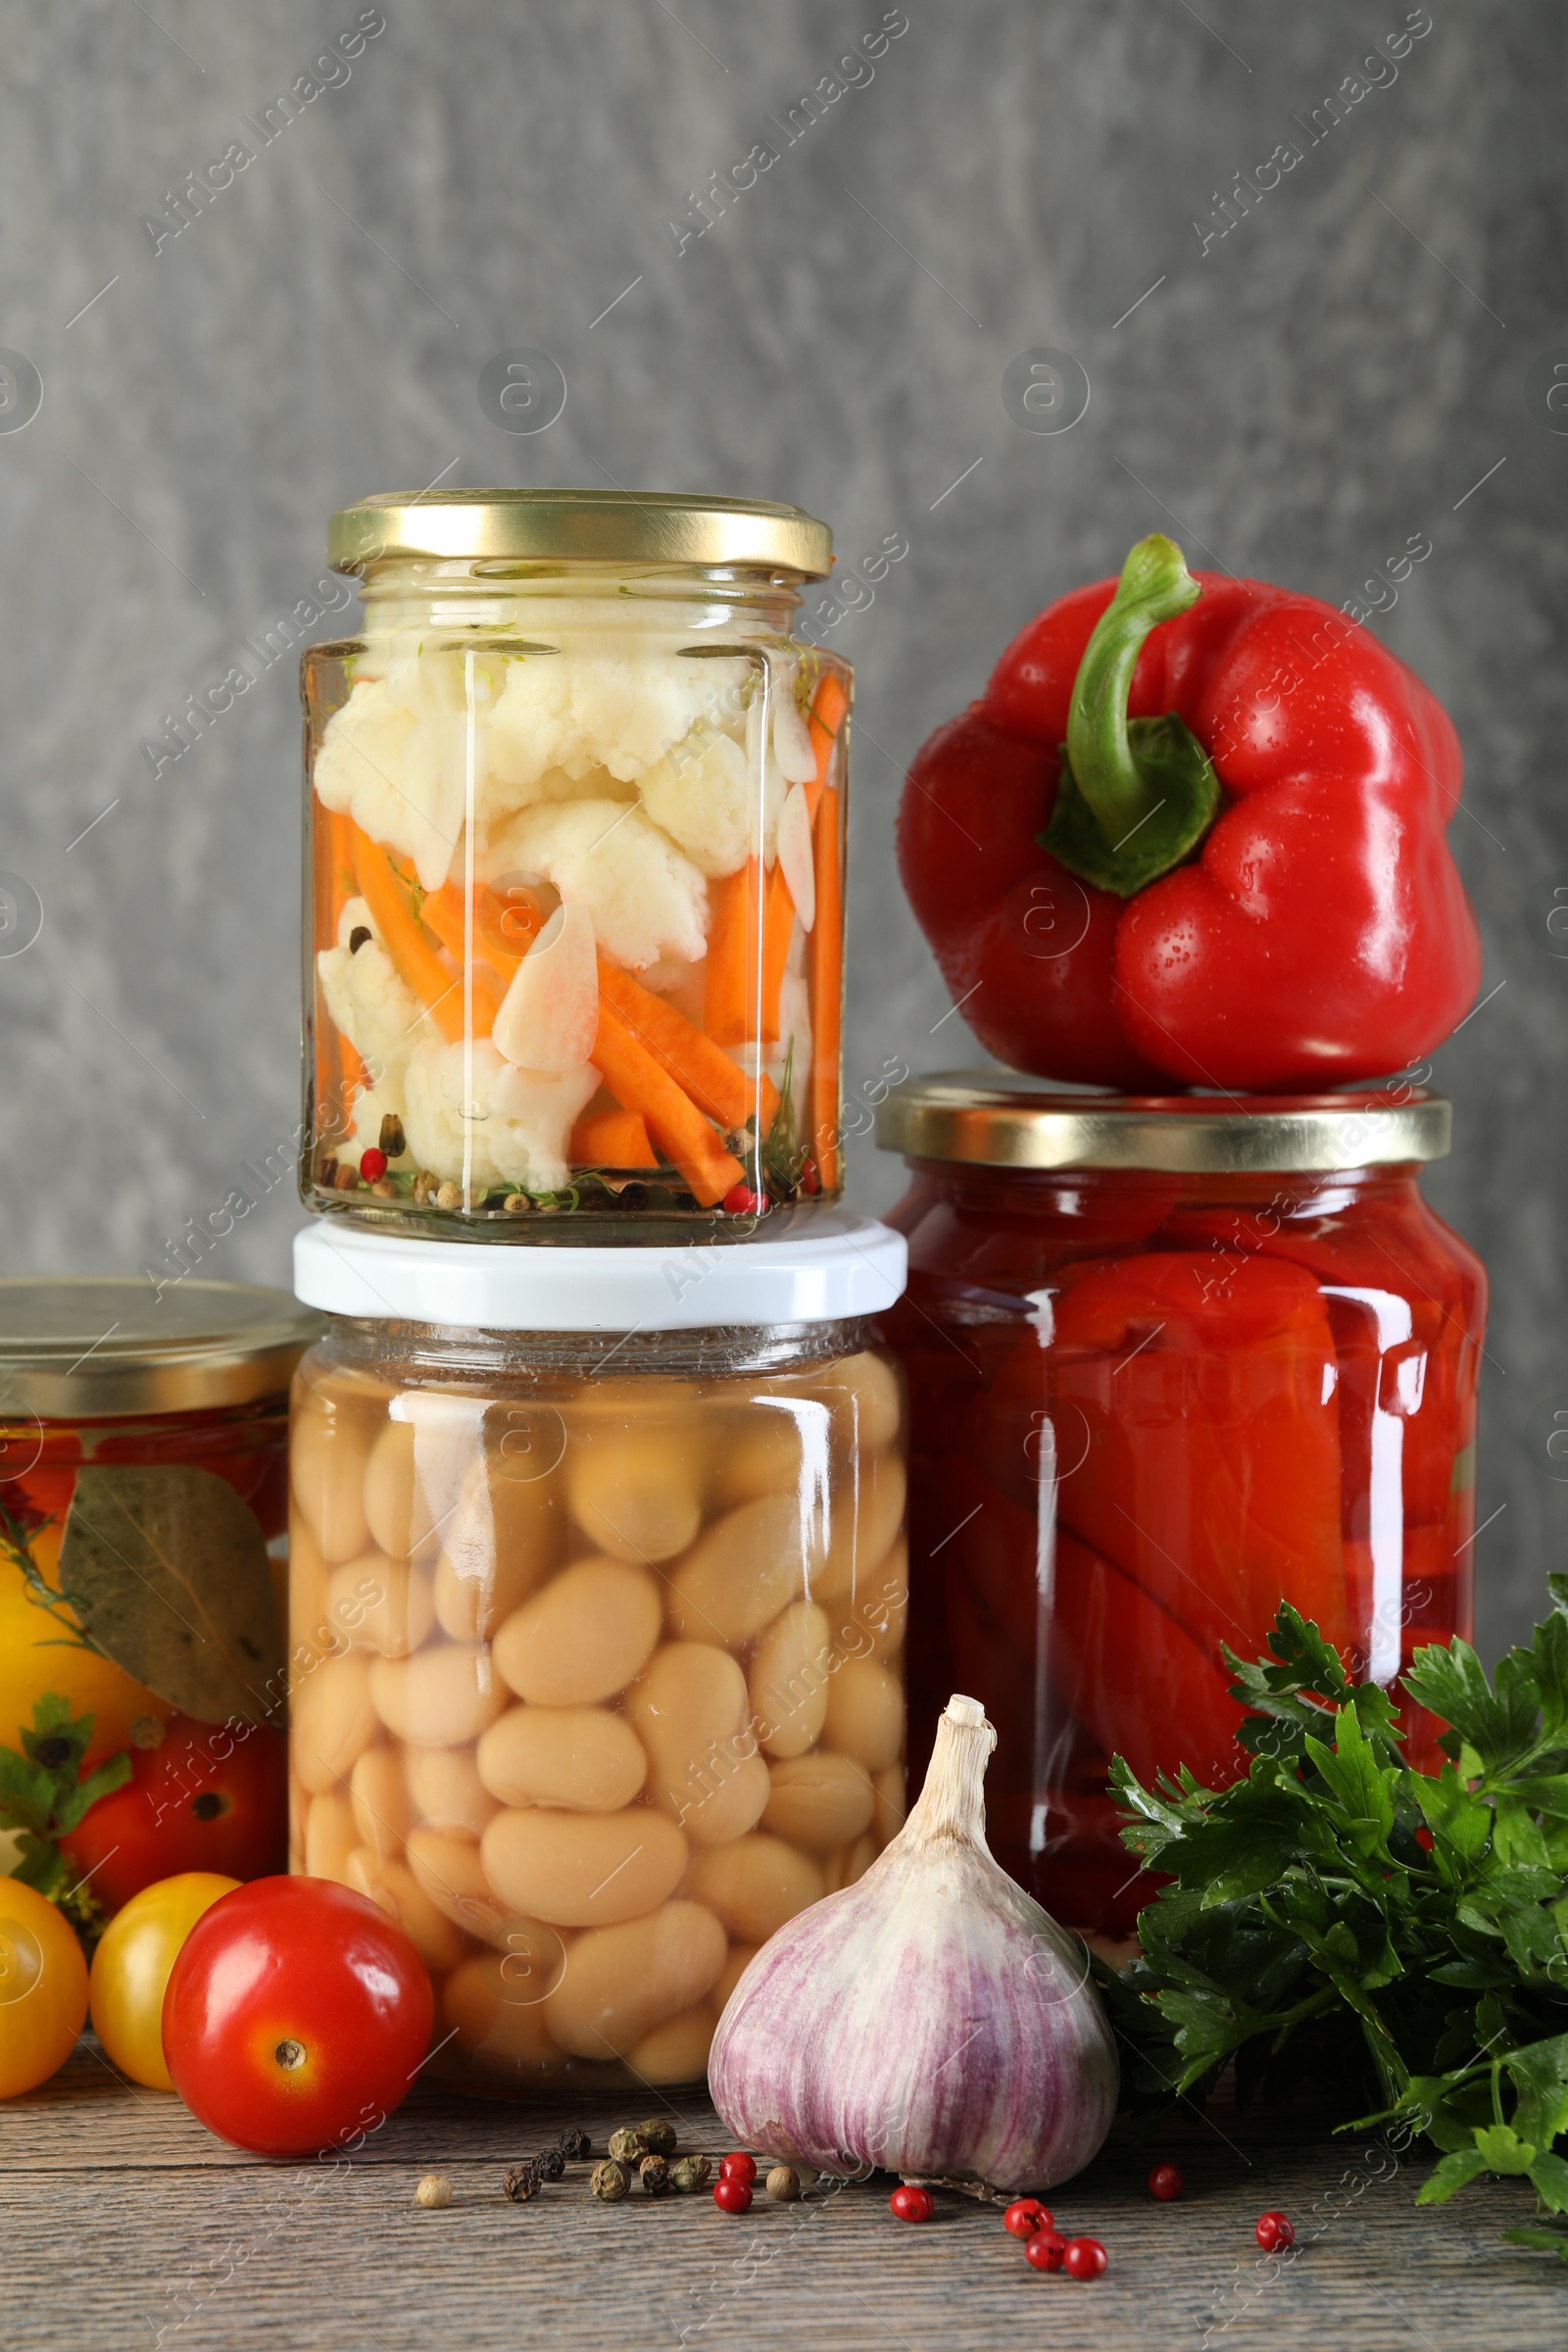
(598, 1591)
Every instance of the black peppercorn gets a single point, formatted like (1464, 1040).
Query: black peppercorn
(653, 2173)
(576, 2141)
(359, 937)
(550, 2164)
(522, 2182)
(658, 2135)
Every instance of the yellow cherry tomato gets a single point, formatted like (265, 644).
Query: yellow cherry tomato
(43, 1988)
(130, 1969)
(34, 1657)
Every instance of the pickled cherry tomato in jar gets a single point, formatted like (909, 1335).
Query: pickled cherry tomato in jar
(576, 815)
(144, 1436)
(597, 1608)
(1171, 1362)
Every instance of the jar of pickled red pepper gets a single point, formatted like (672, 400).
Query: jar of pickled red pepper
(143, 1465)
(1171, 1361)
(597, 1604)
(575, 809)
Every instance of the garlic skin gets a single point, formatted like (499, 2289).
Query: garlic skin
(931, 2020)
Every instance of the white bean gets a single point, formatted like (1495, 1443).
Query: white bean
(583, 1637)
(689, 1707)
(498, 2021)
(621, 1982)
(504, 1537)
(822, 1801)
(866, 1515)
(328, 1453)
(583, 1870)
(865, 1713)
(381, 1798)
(330, 1836)
(396, 1890)
(743, 1570)
(635, 1493)
(381, 1604)
(580, 1758)
(678, 2050)
(755, 1885)
(332, 1721)
(442, 1697)
(446, 1789)
(789, 1679)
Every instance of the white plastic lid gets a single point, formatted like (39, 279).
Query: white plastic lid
(844, 1267)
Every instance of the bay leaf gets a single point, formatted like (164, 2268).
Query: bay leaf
(166, 1569)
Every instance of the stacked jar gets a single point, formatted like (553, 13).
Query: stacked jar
(598, 1579)
(1171, 1361)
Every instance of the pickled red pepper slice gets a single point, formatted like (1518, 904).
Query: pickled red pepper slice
(1211, 1478)
(1138, 1680)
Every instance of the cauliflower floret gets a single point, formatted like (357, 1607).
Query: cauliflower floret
(700, 793)
(616, 709)
(398, 772)
(514, 1123)
(646, 899)
(375, 1009)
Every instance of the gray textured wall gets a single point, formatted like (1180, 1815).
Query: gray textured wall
(1332, 376)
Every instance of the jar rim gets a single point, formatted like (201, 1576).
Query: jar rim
(1001, 1120)
(96, 1347)
(677, 529)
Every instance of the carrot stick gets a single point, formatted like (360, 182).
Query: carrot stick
(612, 1139)
(443, 912)
(673, 1120)
(827, 992)
(734, 956)
(715, 1084)
(417, 961)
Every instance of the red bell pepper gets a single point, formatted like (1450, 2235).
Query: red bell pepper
(1195, 831)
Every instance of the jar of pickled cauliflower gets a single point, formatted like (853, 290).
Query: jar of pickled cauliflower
(576, 807)
(598, 1588)
(1171, 1362)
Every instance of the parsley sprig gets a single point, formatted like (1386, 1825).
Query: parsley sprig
(1338, 1916)
(44, 1797)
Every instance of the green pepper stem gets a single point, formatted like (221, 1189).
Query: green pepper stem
(1155, 586)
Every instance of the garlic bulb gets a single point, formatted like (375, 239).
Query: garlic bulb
(931, 2020)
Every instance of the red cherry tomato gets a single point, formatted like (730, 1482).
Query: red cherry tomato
(913, 2204)
(738, 2166)
(1275, 2232)
(1083, 2258)
(1046, 2249)
(207, 1797)
(732, 2194)
(1026, 2216)
(297, 2014)
(1165, 2183)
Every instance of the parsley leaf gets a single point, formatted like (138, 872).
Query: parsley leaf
(1339, 1916)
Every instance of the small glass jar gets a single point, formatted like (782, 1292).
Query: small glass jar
(597, 1604)
(1171, 1362)
(97, 1374)
(576, 825)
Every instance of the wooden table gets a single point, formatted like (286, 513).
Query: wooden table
(126, 2225)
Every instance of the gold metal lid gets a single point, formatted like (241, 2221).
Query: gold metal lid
(579, 527)
(98, 1347)
(999, 1120)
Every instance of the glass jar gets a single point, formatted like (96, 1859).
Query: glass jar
(598, 1604)
(575, 811)
(120, 1409)
(1171, 1362)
